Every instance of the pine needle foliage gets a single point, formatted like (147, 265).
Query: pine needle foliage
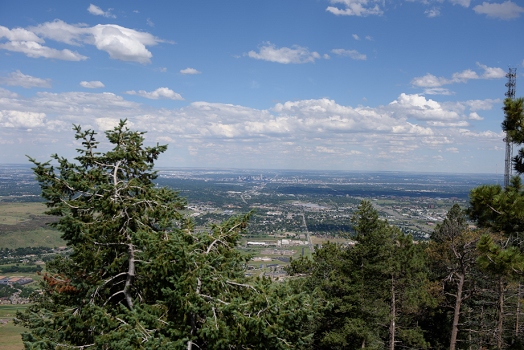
(374, 290)
(140, 276)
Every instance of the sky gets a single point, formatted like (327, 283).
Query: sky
(364, 85)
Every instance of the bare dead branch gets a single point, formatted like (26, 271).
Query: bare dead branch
(242, 285)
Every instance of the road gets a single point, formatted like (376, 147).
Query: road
(308, 237)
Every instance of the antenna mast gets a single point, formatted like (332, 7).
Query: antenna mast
(511, 84)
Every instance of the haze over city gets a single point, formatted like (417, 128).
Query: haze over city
(299, 84)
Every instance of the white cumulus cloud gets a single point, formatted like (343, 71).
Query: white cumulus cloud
(109, 123)
(354, 54)
(17, 78)
(19, 34)
(160, 93)
(58, 30)
(418, 107)
(123, 43)
(97, 11)
(481, 105)
(431, 81)
(360, 8)
(189, 71)
(21, 119)
(506, 10)
(464, 3)
(119, 42)
(461, 123)
(434, 12)
(94, 84)
(438, 91)
(492, 72)
(475, 116)
(464, 76)
(35, 50)
(295, 54)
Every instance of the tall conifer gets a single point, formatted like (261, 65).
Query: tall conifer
(139, 275)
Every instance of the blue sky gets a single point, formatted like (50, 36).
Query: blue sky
(298, 84)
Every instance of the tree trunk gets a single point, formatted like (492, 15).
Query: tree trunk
(130, 276)
(456, 314)
(393, 316)
(518, 312)
(501, 314)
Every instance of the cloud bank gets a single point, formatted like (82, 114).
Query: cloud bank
(304, 128)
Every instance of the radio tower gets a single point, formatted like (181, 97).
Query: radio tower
(511, 84)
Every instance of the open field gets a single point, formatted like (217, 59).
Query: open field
(33, 238)
(321, 240)
(16, 213)
(10, 333)
(25, 225)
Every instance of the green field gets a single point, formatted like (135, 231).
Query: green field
(22, 225)
(10, 333)
(15, 213)
(33, 238)
(25, 225)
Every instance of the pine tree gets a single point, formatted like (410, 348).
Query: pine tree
(501, 210)
(393, 275)
(375, 289)
(453, 250)
(140, 276)
(504, 264)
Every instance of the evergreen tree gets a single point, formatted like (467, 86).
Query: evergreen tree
(393, 275)
(453, 251)
(140, 276)
(375, 289)
(501, 210)
(513, 125)
(504, 264)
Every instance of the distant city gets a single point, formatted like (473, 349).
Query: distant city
(292, 202)
(292, 212)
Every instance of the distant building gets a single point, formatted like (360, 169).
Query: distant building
(257, 243)
(291, 242)
(15, 280)
(264, 258)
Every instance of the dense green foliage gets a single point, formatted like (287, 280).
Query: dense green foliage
(23, 269)
(139, 276)
(376, 289)
(6, 252)
(6, 290)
